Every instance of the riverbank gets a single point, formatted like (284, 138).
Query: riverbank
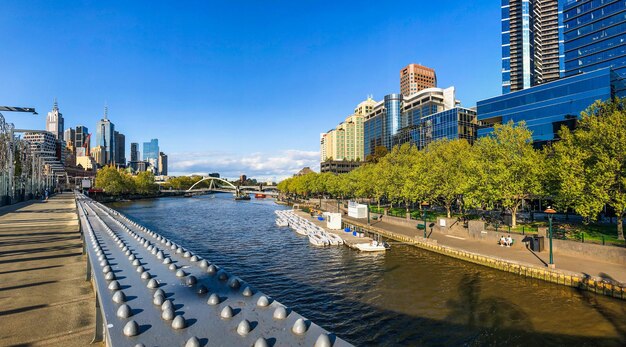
(582, 272)
(44, 297)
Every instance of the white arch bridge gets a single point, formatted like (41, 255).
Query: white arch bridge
(231, 188)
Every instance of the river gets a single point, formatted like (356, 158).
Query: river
(407, 296)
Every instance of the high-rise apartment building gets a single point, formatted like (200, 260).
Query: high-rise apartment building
(54, 122)
(82, 136)
(105, 138)
(594, 36)
(151, 153)
(162, 164)
(532, 43)
(120, 148)
(414, 78)
(345, 142)
(134, 151)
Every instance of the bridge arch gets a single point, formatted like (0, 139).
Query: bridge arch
(213, 179)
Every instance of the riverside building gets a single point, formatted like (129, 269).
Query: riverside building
(532, 43)
(419, 119)
(595, 36)
(547, 107)
(414, 78)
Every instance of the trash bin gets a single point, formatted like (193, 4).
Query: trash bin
(536, 244)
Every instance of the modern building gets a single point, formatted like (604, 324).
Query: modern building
(151, 152)
(86, 162)
(54, 122)
(105, 138)
(69, 136)
(162, 164)
(134, 151)
(339, 166)
(43, 144)
(345, 142)
(532, 43)
(243, 178)
(594, 36)
(414, 78)
(142, 166)
(99, 154)
(82, 140)
(418, 119)
(548, 107)
(120, 149)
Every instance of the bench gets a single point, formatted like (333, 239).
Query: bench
(512, 242)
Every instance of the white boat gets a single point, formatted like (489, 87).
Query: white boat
(318, 240)
(281, 222)
(300, 230)
(373, 246)
(334, 239)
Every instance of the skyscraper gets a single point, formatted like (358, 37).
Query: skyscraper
(595, 36)
(162, 164)
(69, 137)
(414, 78)
(532, 44)
(120, 148)
(151, 153)
(81, 136)
(54, 121)
(105, 138)
(134, 151)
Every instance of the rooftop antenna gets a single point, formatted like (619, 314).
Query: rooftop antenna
(55, 106)
(106, 111)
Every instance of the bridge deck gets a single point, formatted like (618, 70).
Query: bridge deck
(200, 303)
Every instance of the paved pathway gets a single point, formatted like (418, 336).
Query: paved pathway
(517, 253)
(44, 298)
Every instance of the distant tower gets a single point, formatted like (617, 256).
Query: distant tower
(105, 138)
(54, 121)
(414, 78)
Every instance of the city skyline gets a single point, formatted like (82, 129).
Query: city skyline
(229, 85)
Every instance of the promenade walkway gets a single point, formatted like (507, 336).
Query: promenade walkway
(518, 253)
(44, 298)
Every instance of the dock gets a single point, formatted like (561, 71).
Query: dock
(348, 239)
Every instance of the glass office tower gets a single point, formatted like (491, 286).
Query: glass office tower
(547, 107)
(595, 36)
(151, 152)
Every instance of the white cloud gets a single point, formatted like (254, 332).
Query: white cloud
(262, 166)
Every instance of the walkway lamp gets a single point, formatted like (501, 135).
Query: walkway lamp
(550, 212)
(424, 206)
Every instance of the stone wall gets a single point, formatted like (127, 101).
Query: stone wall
(612, 254)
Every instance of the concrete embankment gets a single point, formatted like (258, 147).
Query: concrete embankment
(589, 274)
(44, 298)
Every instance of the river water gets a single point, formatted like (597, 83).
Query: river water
(405, 297)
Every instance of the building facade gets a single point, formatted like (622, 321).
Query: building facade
(120, 149)
(548, 107)
(54, 122)
(69, 136)
(105, 138)
(532, 43)
(99, 154)
(595, 36)
(414, 78)
(151, 152)
(418, 119)
(339, 166)
(345, 142)
(134, 151)
(82, 140)
(162, 164)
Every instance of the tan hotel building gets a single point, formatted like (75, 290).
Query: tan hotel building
(345, 142)
(414, 78)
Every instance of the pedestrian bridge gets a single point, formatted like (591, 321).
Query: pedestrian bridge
(222, 185)
(152, 291)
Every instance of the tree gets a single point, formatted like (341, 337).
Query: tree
(144, 183)
(509, 169)
(598, 146)
(448, 170)
(114, 181)
(379, 153)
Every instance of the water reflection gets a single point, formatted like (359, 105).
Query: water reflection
(405, 297)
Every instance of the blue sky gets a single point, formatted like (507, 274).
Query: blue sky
(235, 86)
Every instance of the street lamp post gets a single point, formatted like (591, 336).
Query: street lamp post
(424, 205)
(550, 212)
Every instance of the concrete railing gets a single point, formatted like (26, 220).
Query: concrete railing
(151, 291)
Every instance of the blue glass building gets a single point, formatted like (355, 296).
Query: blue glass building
(545, 108)
(595, 35)
(383, 123)
(151, 152)
(455, 123)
